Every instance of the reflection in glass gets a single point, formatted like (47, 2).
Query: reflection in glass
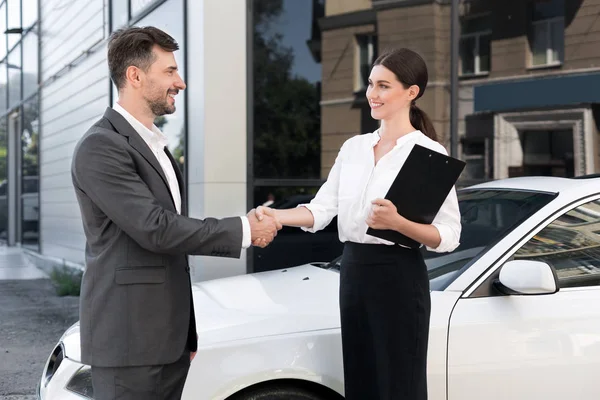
(14, 21)
(486, 217)
(3, 87)
(3, 181)
(294, 246)
(30, 201)
(286, 80)
(138, 6)
(571, 244)
(14, 76)
(2, 29)
(169, 18)
(30, 13)
(120, 13)
(30, 64)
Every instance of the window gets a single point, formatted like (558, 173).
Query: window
(364, 56)
(138, 6)
(548, 153)
(475, 45)
(475, 153)
(30, 13)
(486, 217)
(2, 29)
(547, 32)
(14, 76)
(30, 199)
(14, 22)
(169, 17)
(571, 244)
(286, 93)
(30, 63)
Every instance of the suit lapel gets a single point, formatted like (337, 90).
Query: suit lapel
(179, 181)
(135, 140)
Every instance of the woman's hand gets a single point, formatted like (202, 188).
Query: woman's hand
(383, 215)
(260, 213)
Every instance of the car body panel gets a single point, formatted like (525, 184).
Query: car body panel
(526, 347)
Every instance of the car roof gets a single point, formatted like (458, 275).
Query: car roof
(544, 184)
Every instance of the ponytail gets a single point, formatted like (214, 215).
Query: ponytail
(420, 120)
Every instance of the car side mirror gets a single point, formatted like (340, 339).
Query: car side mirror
(525, 277)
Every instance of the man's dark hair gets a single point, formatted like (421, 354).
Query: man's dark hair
(133, 46)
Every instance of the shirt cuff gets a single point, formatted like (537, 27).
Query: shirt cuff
(448, 240)
(247, 233)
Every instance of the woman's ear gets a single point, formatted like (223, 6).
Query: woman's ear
(413, 92)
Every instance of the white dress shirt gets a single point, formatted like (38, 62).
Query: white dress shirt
(157, 141)
(355, 180)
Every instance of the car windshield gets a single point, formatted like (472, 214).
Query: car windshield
(486, 217)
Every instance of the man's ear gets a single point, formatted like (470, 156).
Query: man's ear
(134, 76)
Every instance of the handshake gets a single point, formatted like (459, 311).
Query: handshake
(264, 226)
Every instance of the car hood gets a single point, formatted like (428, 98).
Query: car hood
(291, 300)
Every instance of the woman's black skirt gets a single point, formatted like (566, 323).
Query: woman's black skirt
(385, 307)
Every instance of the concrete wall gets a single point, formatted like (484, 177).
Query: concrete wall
(217, 114)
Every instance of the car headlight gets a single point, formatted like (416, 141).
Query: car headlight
(81, 382)
(56, 358)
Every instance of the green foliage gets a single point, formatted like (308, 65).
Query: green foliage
(67, 281)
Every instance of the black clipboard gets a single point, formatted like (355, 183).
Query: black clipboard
(420, 189)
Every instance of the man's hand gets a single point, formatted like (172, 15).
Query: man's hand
(383, 215)
(263, 230)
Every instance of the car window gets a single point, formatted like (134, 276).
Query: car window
(486, 217)
(571, 244)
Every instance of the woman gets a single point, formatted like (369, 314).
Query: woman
(384, 288)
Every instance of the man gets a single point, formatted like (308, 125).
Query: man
(138, 330)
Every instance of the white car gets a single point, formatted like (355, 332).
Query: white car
(515, 312)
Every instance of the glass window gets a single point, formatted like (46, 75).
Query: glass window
(547, 32)
(474, 46)
(169, 17)
(287, 91)
(30, 199)
(366, 50)
(137, 6)
(3, 87)
(30, 64)
(120, 13)
(3, 181)
(14, 76)
(14, 21)
(30, 13)
(293, 246)
(475, 153)
(571, 244)
(548, 153)
(2, 29)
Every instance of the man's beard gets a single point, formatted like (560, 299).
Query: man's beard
(160, 107)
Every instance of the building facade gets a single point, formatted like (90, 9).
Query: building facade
(274, 88)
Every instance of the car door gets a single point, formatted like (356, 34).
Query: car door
(534, 346)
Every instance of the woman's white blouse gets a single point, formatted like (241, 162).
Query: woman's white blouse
(354, 181)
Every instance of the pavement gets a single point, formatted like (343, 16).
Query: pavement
(32, 319)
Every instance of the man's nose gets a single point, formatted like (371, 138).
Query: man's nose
(180, 84)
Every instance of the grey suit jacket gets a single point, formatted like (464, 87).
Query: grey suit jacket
(136, 305)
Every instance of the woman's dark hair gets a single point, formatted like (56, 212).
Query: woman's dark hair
(410, 69)
(133, 46)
